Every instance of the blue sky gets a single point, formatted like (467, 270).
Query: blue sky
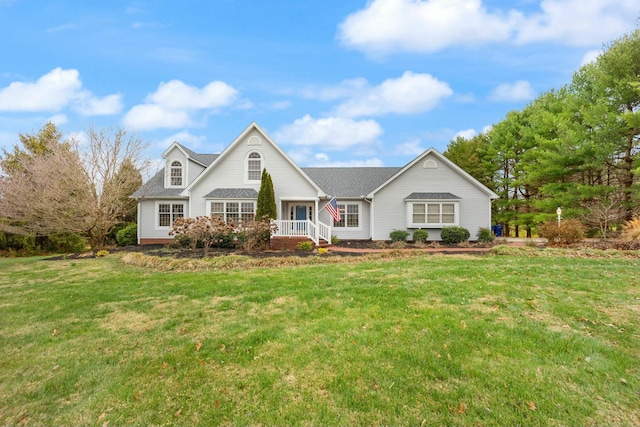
(333, 82)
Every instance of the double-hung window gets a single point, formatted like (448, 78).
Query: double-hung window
(349, 215)
(234, 211)
(254, 166)
(432, 214)
(176, 174)
(168, 212)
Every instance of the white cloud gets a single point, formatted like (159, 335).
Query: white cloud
(590, 56)
(409, 94)
(322, 157)
(175, 105)
(51, 92)
(487, 129)
(387, 26)
(89, 105)
(410, 148)
(151, 116)
(58, 119)
(54, 92)
(579, 22)
(423, 26)
(512, 92)
(176, 95)
(332, 133)
(466, 134)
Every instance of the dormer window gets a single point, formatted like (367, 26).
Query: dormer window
(176, 174)
(254, 166)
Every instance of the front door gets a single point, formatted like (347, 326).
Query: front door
(301, 215)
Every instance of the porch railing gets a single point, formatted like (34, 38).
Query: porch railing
(306, 228)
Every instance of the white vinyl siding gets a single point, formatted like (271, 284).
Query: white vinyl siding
(392, 212)
(288, 183)
(432, 214)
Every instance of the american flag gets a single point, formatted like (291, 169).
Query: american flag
(332, 207)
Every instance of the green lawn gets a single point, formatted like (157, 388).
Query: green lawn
(428, 340)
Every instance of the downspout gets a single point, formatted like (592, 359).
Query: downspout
(371, 229)
(138, 219)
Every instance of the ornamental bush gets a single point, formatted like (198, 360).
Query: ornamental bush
(454, 235)
(420, 236)
(128, 235)
(484, 235)
(631, 229)
(569, 232)
(399, 235)
(304, 246)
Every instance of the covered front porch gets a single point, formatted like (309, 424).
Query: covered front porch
(299, 218)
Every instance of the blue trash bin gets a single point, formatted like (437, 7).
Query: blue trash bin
(497, 230)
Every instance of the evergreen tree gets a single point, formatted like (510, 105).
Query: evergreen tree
(266, 198)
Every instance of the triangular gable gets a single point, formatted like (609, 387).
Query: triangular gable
(239, 140)
(444, 160)
(190, 155)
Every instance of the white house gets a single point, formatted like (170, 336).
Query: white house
(429, 193)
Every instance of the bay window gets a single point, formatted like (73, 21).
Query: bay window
(432, 214)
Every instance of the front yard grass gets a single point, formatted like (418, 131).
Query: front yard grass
(418, 340)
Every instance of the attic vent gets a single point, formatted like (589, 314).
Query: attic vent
(254, 140)
(430, 164)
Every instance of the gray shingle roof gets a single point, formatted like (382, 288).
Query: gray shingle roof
(232, 193)
(205, 159)
(155, 188)
(350, 182)
(431, 196)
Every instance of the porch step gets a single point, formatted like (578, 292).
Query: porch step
(323, 244)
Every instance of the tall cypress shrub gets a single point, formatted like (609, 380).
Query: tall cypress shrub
(266, 198)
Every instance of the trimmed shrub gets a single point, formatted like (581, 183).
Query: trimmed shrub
(399, 235)
(305, 246)
(454, 235)
(484, 235)
(128, 235)
(420, 236)
(570, 231)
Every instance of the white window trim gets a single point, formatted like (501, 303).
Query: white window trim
(168, 174)
(225, 201)
(246, 168)
(171, 203)
(343, 215)
(456, 212)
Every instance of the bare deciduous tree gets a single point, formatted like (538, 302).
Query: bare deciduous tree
(112, 163)
(53, 187)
